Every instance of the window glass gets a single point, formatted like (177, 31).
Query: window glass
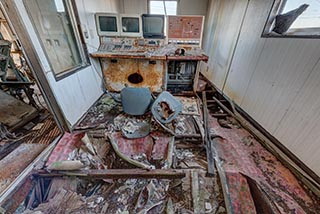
(310, 18)
(57, 33)
(157, 7)
(306, 23)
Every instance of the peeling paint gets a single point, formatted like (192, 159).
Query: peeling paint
(117, 71)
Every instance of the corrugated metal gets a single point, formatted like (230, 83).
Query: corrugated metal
(276, 81)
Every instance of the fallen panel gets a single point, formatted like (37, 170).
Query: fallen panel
(64, 147)
(13, 112)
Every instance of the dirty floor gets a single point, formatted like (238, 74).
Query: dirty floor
(100, 169)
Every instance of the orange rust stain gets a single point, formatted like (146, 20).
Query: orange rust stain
(116, 74)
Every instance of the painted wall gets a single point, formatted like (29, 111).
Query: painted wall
(185, 7)
(77, 92)
(275, 80)
(191, 7)
(133, 6)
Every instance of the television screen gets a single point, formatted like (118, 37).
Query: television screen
(130, 24)
(108, 23)
(153, 26)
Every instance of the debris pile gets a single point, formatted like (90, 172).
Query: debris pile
(158, 162)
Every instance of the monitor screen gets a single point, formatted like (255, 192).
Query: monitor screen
(153, 26)
(130, 24)
(107, 24)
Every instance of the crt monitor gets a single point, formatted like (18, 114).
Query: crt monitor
(153, 26)
(107, 24)
(131, 25)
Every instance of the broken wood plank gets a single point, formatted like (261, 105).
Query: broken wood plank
(179, 136)
(116, 173)
(219, 115)
(213, 101)
(224, 185)
(210, 158)
(195, 192)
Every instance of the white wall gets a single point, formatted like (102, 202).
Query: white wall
(134, 6)
(185, 7)
(77, 92)
(275, 80)
(191, 7)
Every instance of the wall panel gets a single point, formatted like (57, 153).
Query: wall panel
(300, 126)
(281, 71)
(275, 80)
(220, 44)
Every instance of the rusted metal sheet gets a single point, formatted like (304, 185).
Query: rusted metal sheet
(14, 163)
(119, 73)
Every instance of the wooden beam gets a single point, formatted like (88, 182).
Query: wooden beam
(209, 149)
(115, 173)
(195, 192)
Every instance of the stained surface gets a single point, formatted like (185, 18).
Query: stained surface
(118, 74)
(243, 157)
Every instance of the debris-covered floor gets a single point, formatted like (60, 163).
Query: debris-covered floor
(157, 162)
(18, 150)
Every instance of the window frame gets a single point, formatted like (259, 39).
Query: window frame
(278, 6)
(80, 41)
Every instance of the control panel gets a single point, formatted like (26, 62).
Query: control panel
(128, 45)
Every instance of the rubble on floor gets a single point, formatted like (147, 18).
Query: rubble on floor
(17, 151)
(106, 108)
(136, 164)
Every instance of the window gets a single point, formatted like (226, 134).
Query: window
(55, 24)
(163, 7)
(307, 24)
